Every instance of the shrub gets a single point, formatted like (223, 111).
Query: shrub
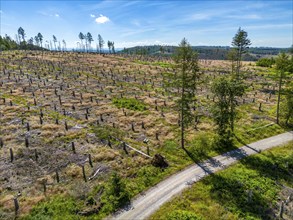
(201, 146)
(265, 62)
(182, 215)
(131, 104)
(55, 208)
(148, 174)
(115, 195)
(103, 132)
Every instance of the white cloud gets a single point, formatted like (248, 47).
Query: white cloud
(93, 16)
(102, 19)
(1, 12)
(49, 14)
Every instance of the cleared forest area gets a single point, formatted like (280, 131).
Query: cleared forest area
(70, 120)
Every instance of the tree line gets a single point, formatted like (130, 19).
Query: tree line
(86, 43)
(205, 52)
(37, 43)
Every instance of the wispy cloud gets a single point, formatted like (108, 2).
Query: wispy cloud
(248, 16)
(48, 14)
(136, 23)
(145, 22)
(143, 43)
(139, 31)
(269, 26)
(201, 16)
(102, 19)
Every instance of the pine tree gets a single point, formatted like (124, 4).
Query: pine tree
(185, 80)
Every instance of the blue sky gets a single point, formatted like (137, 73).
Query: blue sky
(131, 23)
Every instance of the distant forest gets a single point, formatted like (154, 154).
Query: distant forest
(206, 52)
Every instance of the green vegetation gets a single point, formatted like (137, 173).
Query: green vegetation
(115, 195)
(104, 132)
(247, 190)
(129, 103)
(204, 52)
(58, 207)
(7, 43)
(240, 44)
(265, 62)
(161, 64)
(284, 68)
(224, 110)
(182, 215)
(185, 80)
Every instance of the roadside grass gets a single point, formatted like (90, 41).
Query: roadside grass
(247, 190)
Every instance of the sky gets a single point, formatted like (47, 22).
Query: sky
(165, 22)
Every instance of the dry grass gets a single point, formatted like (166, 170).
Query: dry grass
(53, 142)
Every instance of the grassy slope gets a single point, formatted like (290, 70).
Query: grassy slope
(225, 195)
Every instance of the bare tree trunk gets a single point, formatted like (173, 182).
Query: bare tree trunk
(16, 205)
(182, 118)
(279, 96)
(232, 116)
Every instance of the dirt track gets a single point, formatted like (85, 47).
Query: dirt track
(147, 203)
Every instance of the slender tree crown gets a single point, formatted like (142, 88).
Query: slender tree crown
(89, 37)
(81, 36)
(283, 62)
(21, 33)
(40, 37)
(101, 42)
(187, 61)
(240, 41)
(54, 38)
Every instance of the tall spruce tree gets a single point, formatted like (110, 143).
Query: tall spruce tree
(185, 80)
(240, 43)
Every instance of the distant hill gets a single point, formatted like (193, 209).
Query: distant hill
(205, 52)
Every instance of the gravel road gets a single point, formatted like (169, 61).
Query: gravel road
(149, 201)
